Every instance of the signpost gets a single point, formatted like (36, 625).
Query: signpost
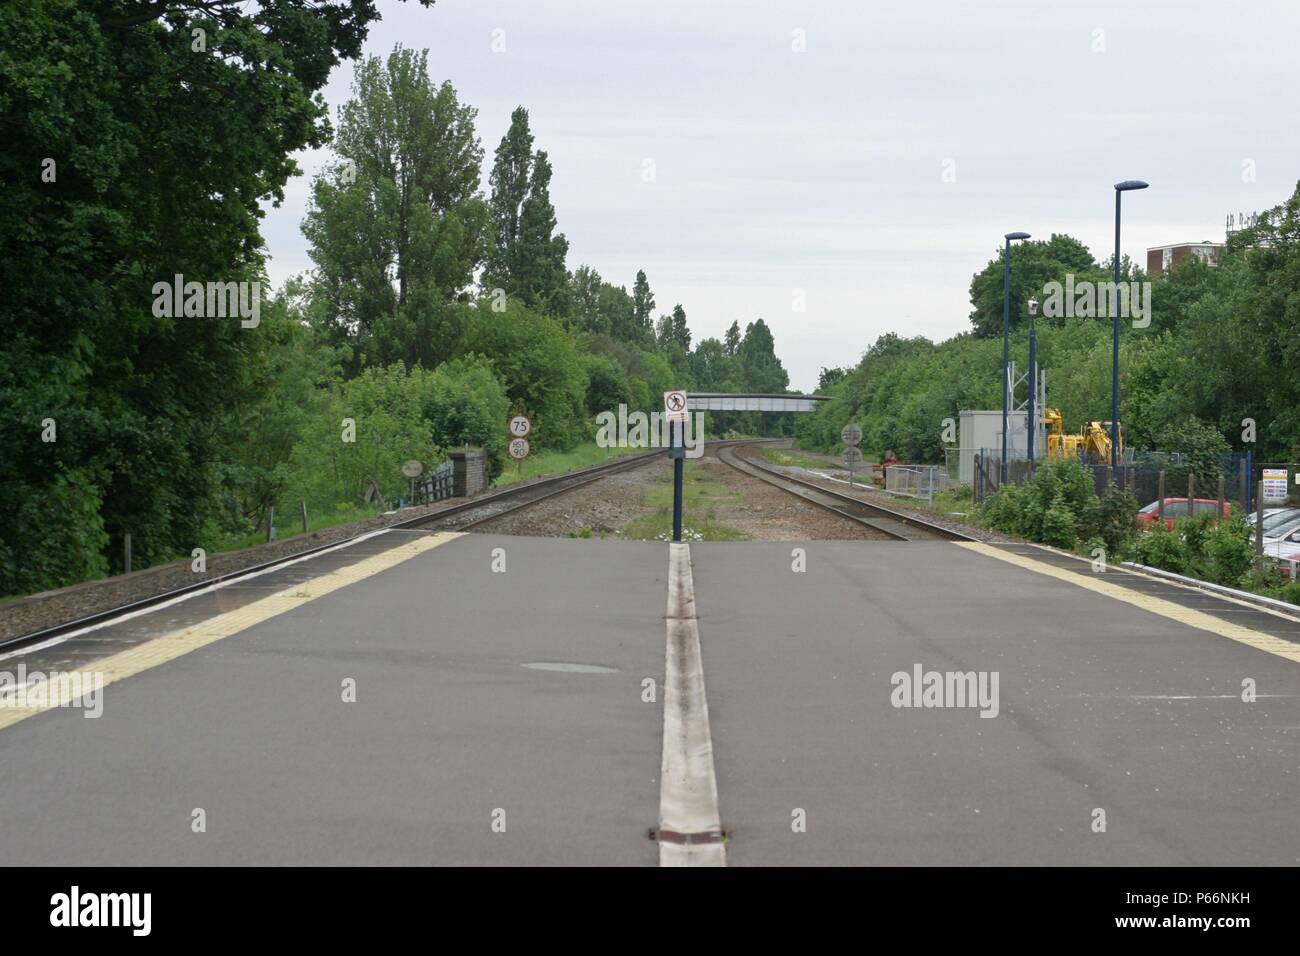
(675, 404)
(851, 435)
(412, 470)
(519, 448)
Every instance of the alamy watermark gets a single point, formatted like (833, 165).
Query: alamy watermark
(1098, 300)
(211, 300)
(946, 689)
(40, 691)
(639, 430)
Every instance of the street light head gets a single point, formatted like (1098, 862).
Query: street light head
(1128, 184)
(1017, 235)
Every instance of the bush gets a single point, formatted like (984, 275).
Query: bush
(1057, 506)
(465, 404)
(1162, 549)
(1229, 554)
(1117, 520)
(1060, 528)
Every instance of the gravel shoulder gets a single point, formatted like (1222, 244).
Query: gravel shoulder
(872, 495)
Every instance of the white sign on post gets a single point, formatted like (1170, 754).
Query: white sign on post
(520, 426)
(675, 405)
(1274, 485)
(519, 448)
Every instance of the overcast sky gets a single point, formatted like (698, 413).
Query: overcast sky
(777, 171)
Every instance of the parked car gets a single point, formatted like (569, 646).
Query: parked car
(1177, 508)
(1286, 552)
(1277, 521)
(1280, 530)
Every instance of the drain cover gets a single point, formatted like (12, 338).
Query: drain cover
(570, 668)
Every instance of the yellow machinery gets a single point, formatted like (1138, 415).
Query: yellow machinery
(1093, 442)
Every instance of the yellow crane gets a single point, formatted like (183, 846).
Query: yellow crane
(1093, 441)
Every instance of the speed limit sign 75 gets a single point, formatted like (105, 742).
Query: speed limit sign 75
(520, 426)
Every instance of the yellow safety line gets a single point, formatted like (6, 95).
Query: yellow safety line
(174, 644)
(1176, 612)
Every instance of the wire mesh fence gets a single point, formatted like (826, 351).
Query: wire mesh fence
(1200, 479)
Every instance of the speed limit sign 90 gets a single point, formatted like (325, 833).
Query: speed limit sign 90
(520, 426)
(519, 448)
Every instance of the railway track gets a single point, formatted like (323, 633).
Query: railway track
(895, 524)
(458, 517)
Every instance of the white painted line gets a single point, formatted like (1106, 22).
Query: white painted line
(688, 787)
(53, 641)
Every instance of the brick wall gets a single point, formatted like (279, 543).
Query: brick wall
(469, 472)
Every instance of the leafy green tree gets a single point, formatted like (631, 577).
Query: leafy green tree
(585, 287)
(331, 465)
(761, 369)
(711, 366)
(464, 403)
(134, 153)
(527, 255)
(541, 367)
(732, 339)
(1034, 263)
(397, 227)
(643, 304)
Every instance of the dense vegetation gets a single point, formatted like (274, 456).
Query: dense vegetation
(434, 310)
(1220, 349)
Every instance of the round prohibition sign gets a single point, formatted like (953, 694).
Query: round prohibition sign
(675, 401)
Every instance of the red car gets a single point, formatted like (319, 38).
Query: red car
(1177, 508)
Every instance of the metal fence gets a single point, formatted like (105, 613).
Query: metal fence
(436, 485)
(918, 481)
(1146, 475)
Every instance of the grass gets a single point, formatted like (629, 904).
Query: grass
(960, 499)
(702, 495)
(559, 462)
(289, 523)
(793, 459)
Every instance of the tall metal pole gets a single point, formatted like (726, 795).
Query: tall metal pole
(1114, 356)
(1006, 348)
(1033, 386)
(1114, 353)
(678, 446)
(1006, 342)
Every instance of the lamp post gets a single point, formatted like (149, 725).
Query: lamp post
(1120, 189)
(1006, 341)
(1033, 378)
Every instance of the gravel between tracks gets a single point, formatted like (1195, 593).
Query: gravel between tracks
(875, 497)
(603, 509)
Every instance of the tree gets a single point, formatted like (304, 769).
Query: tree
(527, 255)
(711, 366)
(585, 286)
(397, 228)
(1033, 264)
(113, 93)
(761, 369)
(643, 304)
(680, 332)
(732, 339)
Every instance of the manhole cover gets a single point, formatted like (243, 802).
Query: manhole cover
(570, 668)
